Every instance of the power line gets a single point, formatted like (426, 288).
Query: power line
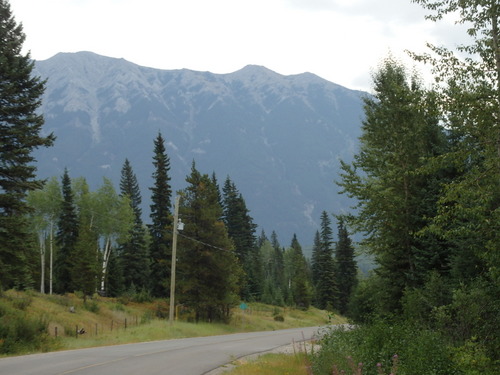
(206, 244)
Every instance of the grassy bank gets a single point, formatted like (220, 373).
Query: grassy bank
(31, 322)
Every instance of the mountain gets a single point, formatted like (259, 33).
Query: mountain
(279, 138)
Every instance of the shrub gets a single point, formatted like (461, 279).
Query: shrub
(92, 306)
(418, 351)
(18, 334)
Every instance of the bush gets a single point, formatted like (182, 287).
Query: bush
(418, 351)
(279, 318)
(92, 306)
(19, 334)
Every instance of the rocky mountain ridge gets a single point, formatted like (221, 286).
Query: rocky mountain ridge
(279, 138)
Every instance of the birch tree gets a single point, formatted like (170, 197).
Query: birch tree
(46, 204)
(115, 219)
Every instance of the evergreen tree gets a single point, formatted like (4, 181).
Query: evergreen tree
(297, 275)
(134, 253)
(324, 266)
(84, 263)
(316, 259)
(66, 237)
(346, 269)
(272, 274)
(208, 268)
(241, 230)
(161, 218)
(278, 272)
(20, 127)
(115, 279)
(395, 194)
(262, 238)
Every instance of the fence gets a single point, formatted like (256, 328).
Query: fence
(93, 329)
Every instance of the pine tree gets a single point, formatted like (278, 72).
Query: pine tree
(346, 268)
(262, 238)
(278, 272)
(84, 266)
(297, 276)
(208, 268)
(241, 230)
(66, 237)
(160, 229)
(325, 287)
(316, 259)
(20, 127)
(134, 253)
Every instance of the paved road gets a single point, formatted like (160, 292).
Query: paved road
(192, 356)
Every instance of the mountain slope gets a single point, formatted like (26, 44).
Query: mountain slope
(278, 137)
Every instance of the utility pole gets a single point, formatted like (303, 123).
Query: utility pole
(174, 261)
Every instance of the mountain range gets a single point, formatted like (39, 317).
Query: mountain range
(279, 138)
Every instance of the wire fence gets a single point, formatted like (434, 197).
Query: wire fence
(93, 329)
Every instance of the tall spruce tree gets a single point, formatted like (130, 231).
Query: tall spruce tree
(66, 237)
(278, 262)
(315, 259)
(160, 229)
(208, 268)
(346, 268)
(395, 194)
(297, 276)
(134, 253)
(324, 267)
(241, 230)
(20, 128)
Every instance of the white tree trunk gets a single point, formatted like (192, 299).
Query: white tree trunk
(41, 238)
(51, 255)
(105, 261)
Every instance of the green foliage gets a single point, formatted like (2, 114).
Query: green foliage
(18, 331)
(323, 267)
(208, 267)
(66, 237)
(346, 268)
(472, 359)
(91, 306)
(418, 351)
(469, 208)
(135, 262)
(160, 229)
(300, 290)
(394, 195)
(241, 230)
(20, 128)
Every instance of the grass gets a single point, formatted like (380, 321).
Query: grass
(272, 364)
(109, 321)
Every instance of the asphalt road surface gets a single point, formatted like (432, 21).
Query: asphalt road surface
(191, 356)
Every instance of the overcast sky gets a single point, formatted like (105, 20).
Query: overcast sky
(339, 40)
